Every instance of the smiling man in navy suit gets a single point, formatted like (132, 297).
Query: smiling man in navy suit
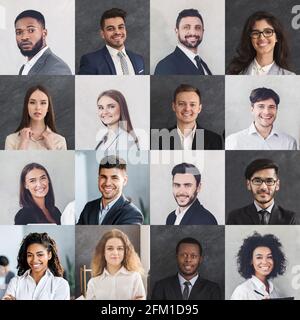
(112, 58)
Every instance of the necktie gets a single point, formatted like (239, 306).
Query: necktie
(123, 62)
(186, 290)
(199, 65)
(263, 214)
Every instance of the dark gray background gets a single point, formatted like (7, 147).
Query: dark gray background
(12, 93)
(86, 239)
(88, 14)
(212, 99)
(163, 255)
(237, 12)
(236, 193)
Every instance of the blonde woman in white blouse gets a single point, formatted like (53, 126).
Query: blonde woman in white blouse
(116, 270)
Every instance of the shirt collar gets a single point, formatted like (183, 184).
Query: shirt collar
(122, 270)
(182, 280)
(114, 52)
(269, 209)
(187, 52)
(27, 274)
(177, 211)
(264, 69)
(109, 205)
(35, 58)
(182, 136)
(252, 130)
(260, 285)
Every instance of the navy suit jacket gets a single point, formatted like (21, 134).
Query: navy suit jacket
(122, 212)
(248, 215)
(100, 62)
(178, 63)
(196, 214)
(169, 289)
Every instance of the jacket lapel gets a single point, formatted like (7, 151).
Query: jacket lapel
(40, 62)
(109, 61)
(114, 211)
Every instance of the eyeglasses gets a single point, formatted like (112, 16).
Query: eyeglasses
(269, 181)
(255, 34)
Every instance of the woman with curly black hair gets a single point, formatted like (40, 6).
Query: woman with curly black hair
(40, 274)
(259, 259)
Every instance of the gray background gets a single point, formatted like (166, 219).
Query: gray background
(289, 236)
(163, 255)
(238, 106)
(237, 12)
(60, 166)
(164, 39)
(59, 17)
(236, 193)
(12, 93)
(211, 165)
(212, 99)
(88, 14)
(87, 238)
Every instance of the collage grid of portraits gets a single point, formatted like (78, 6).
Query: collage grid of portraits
(176, 124)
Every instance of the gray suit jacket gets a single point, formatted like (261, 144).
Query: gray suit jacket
(275, 70)
(49, 64)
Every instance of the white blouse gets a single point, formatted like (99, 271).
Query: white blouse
(124, 285)
(48, 288)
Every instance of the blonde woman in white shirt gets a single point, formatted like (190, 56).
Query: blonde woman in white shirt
(116, 270)
(40, 274)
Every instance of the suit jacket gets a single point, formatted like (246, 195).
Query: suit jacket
(275, 70)
(122, 212)
(178, 63)
(35, 215)
(49, 64)
(100, 62)
(248, 215)
(196, 214)
(169, 289)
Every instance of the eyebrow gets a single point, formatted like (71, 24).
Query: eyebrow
(112, 26)
(36, 252)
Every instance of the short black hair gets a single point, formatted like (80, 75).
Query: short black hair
(186, 88)
(112, 161)
(184, 167)
(112, 13)
(4, 261)
(260, 164)
(189, 240)
(260, 94)
(188, 13)
(245, 254)
(32, 14)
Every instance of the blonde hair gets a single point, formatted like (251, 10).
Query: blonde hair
(131, 260)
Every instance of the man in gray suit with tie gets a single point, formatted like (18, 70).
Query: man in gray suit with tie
(31, 36)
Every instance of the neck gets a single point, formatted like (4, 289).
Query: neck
(44, 45)
(40, 202)
(188, 276)
(186, 128)
(265, 205)
(113, 269)
(113, 127)
(262, 279)
(105, 202)
(37, 276)
(37, 126)
(265, 59)
(263, 131)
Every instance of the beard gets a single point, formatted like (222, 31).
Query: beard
(35, 49)
(187, 44)
(190, 201)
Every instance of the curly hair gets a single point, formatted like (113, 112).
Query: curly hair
(131, 259)
(39, 238)
(245, 254)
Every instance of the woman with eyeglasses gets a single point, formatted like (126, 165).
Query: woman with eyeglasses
(263, 48)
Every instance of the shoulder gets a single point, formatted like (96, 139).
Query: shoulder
(209, 284)
(232, 141)
(282, 71)
(135, 55)
(12, 141)
(212, 135)
(287, 213)
(167, 281)
(95, 54)
(55, 61)
(241, 292)
(92, 203)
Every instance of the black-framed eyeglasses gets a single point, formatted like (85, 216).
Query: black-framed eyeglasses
(267, 33)
(258, 181)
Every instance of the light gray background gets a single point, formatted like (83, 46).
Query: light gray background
(12, 93)
(237, 194)
(136, 91)
(211, 165)
(86, 181)
(163, 38)
(288, 284)
(60, 166)
(87, 238)
(88, 14)
(60, 19)
(238, 106)
(163, 251)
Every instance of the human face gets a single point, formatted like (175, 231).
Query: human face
(187, 107)
(185, 190)
(38, 104)
(263, 194)
(262, 261)
(114, 253)
(264, 113)
(190, 32)
(110, 183)
(37, 258)
(114, 32)
(262, 45)
(30, 36)
(109, 111)
(37, 183)
(188, 260)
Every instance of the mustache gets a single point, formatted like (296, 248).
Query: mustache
(193, 36)
(263, 191)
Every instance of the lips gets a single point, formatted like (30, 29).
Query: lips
(25, 44)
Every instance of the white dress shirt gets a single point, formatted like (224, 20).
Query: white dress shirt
(187, 140)
(182, 280)
(124, 285)
(254, 289)
(30, 63)
(250, 139)
(104, 211)
(179, 215)
(116, 60)
(49, 287)
(269, 209)
(257, 70)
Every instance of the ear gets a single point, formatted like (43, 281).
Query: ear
(199, 187)
(277, 187)
(49, 255)
(173, 106)
(200, 260)
(125, 180)
(200, 107)
(176, 31)
(101, 34)
(44, 33)
(248, 185)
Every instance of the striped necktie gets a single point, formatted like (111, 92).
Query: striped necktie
(123, 62)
